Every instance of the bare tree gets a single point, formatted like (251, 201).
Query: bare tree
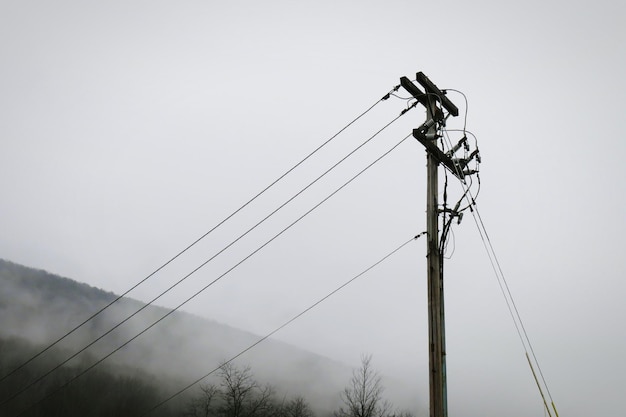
(204, 405)
(242, 395)
(363, 396)
(297, 407)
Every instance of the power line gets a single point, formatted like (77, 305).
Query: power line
(458, 168)
(508, 290)
(495, 264)
(205, 287)
(48, 347)
(466, 105)
(511, 305)
(282, 326)
(472, 206)
(41, 377)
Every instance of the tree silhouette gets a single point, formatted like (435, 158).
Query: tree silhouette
(363, 396)
(243, 396)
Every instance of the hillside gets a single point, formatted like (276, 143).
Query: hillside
(37, 307)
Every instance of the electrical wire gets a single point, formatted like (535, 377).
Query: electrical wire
(74, 329)
(504, 287)
(443, 245)
(453, 246)
(502, 282)
(285, 324)
(510, 302)
(403, 98)
(508, 297)
(83, 372)
(447, 219)
(466, 104)
(472, 206)
(59, 365)
(508, 290)
(458, 170)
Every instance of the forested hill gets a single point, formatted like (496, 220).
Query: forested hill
(37, 307)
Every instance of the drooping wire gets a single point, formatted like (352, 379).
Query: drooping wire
(403, 98)
(451, 232)
(458, 170)
(466, 105)
(282, 326)
(449, 214)
(83, 372)
(94, 315)
(443, 244)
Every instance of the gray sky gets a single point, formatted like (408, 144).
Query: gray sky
(130, 128)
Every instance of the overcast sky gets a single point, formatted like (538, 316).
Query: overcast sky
(130, 128)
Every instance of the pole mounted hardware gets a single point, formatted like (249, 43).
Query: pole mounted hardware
(426, 135)
(414, 90)
(431, 146)
(432, 89)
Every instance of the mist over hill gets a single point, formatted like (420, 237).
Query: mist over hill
(37, 307)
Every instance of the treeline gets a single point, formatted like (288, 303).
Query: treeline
(113, 391)
(236, 393)
(107, 390)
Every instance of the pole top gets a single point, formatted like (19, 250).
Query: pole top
(431, 88)
(432, 91)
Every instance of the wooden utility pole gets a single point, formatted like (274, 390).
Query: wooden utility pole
(436, 323)
(426, 134)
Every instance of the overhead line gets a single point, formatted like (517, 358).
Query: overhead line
(485, 238)
(41, 377)
(510, 301)
(208, 285)
(532, 351)
(502, 282)
(385, 97)
(282, 326)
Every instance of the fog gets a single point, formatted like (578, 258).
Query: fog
(38, 307)
(129, 129)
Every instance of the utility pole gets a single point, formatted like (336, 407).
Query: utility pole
(435, 102)
(436, 323)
